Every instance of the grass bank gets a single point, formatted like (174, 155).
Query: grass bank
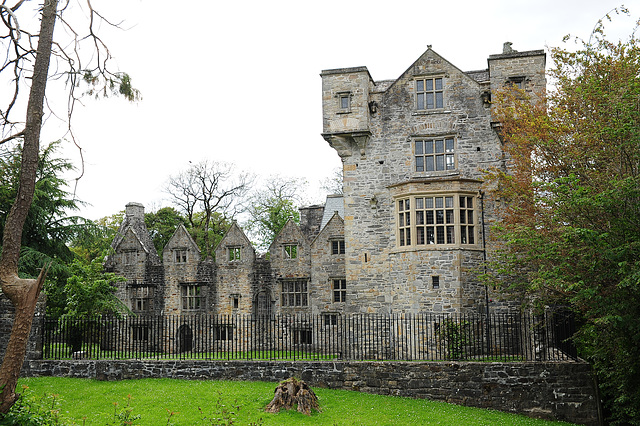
(192, 402)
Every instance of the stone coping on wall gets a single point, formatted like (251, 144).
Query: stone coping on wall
(548, 390)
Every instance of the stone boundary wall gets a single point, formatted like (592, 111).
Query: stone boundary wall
(547, 390)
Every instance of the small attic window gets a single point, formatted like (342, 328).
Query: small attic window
(234, 254)
(517, 82)
(180, 256)
(344, 102)
(291, 251)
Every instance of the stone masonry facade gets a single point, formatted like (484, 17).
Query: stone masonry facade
(408, 235)
(413, 152)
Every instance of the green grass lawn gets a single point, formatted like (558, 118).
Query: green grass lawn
(196, 402)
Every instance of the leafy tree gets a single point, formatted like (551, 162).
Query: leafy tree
(48, 226)
(271, 207)
(91, 291)
(28, 60)
(161, 225)
(206, 192)
(572, 214)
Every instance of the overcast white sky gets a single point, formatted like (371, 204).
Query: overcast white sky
(238, 81)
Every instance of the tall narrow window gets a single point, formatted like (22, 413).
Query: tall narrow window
(191, 297)
(344, 102)
(432, 155)
(181, 256)
(467, 221)
(429, 93)
(404, 221)
(337, 247)
(435, 281)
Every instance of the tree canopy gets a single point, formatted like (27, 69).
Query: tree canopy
(271, 207)
(571, 234)
(210, 195)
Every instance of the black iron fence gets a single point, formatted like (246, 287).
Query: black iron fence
(496, 337)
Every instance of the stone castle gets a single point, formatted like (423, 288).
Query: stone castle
(408, 235)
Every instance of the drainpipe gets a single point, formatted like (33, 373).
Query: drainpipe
(484, 264)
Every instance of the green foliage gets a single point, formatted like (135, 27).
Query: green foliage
(91, 291)
(48, 228)
(103, 85)
(30, 410)
(272, 207)
(572, 218)
(453, 337)
(161, 226)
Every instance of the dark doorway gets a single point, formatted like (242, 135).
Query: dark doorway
(185, 338)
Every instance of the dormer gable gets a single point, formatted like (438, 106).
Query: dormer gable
(235, 247)
(181, 247)
(332, 231)
(133, 234)
(290, 243)
(431, 64)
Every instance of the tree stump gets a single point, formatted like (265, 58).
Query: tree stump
(292, 392)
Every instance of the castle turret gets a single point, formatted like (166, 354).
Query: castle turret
(524, 70)
(345, 109)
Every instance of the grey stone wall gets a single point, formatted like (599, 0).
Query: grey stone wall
(7, 311)
(552, 391)
(234, 276)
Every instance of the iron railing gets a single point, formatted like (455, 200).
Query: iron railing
(497, 337)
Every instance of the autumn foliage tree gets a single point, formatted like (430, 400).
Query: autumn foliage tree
(571, 234)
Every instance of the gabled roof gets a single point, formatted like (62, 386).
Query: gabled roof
(182, 231)
(138, 229)
(334, 217)
(289, 224)
(234, 228)
(427, 53)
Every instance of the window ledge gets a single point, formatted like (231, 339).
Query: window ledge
(434, 247)
(431, 111)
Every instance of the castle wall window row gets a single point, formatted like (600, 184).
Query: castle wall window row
(436, 220)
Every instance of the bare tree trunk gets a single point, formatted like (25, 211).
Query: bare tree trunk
(24, 293)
